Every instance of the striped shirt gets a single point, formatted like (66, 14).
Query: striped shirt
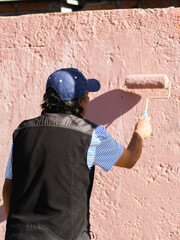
(104, 151)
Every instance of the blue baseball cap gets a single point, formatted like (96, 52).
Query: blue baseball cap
(70, 83)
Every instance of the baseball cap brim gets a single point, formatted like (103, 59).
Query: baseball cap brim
(93, 85)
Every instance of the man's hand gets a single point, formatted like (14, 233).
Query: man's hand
(133, 152)
(143, 128)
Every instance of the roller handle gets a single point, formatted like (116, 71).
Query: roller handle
(145, 113)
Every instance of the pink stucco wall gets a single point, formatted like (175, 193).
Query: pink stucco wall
(138, 204)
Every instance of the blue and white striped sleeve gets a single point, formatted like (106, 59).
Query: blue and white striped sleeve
(9, 173)
(104, 150)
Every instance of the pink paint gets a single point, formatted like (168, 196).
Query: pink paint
(141, 203)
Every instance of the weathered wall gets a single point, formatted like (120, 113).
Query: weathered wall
(141, 203)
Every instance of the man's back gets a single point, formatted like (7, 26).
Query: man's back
(51, 179)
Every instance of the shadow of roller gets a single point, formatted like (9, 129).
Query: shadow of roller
(109, 106)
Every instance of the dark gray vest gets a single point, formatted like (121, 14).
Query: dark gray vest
(51, 181)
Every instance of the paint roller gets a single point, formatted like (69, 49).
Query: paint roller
(149, 81)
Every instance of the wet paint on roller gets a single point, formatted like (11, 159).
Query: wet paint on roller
(147, 81)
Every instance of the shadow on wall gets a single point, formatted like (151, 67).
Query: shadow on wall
(104, 109)
(2, 214)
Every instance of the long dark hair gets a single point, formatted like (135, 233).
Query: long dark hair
(52, 104)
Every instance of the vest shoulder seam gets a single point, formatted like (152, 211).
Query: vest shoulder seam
(48, 125)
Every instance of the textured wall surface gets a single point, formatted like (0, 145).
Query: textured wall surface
(138, 204)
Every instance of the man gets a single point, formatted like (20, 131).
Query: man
(50, 171)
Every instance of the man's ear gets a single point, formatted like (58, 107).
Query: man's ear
(79, 100)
